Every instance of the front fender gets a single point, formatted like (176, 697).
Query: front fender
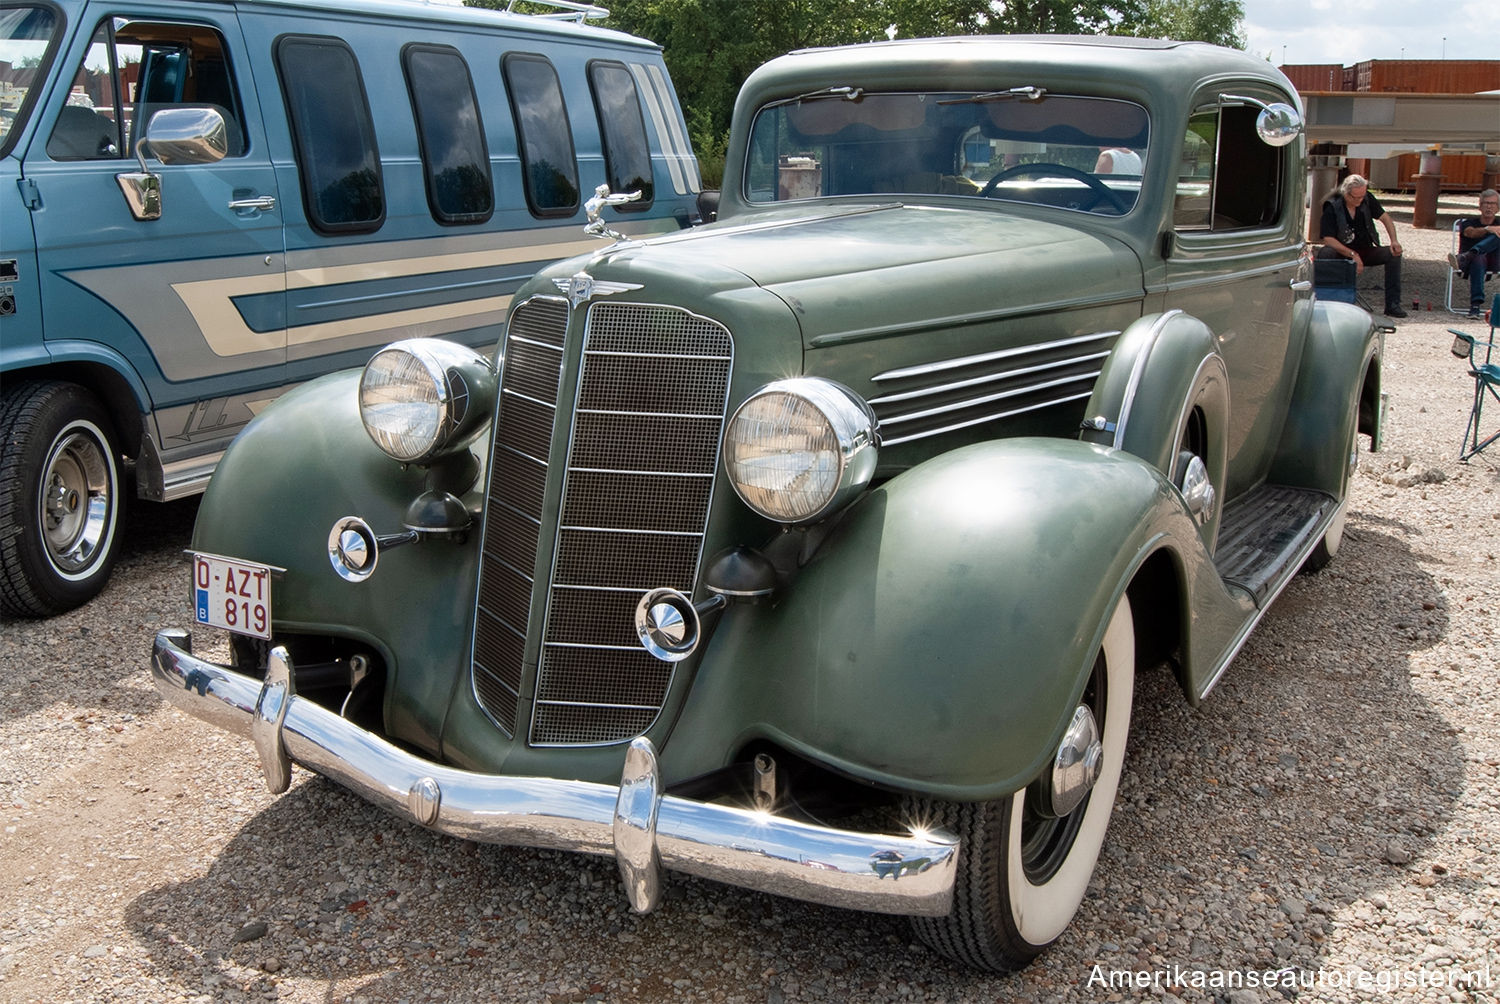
(1165, 389)
(939, 640)
(299, 466)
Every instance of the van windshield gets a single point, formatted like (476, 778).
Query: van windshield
(27, 35)
(1021, 144)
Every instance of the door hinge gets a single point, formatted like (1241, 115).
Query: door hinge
(29, 193)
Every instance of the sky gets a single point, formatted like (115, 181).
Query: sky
(1350, 31)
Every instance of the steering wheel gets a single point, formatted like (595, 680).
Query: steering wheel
(1101, 190)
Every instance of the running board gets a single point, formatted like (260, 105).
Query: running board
(1265, 535)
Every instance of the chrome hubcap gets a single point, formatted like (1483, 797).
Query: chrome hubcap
(75, 502)
(1078, 762)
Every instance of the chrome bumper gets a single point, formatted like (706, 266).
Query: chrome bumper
(643, 829)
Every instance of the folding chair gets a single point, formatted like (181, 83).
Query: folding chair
(1462, 282)
(1486, 374)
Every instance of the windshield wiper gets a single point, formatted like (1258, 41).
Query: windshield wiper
(1027, 93)
(845, 92)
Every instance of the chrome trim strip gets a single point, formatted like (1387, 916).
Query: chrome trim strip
(182, 478)
(985, 418)
(1136, 372)
(743, 847)
(634, 532)
(988, 378)
(648, 414)
(923, 369)
(664, 474)
(617, 354)
(987, 399)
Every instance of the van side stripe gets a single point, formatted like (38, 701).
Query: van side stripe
(681, 148)
(211, 301)
(653, 108)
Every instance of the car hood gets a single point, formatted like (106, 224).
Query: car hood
(856, 271)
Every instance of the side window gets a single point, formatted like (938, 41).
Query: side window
(548, 163)
(1228, 178)
(627, 154)
(455, 160)
(135, 68)
(333, 134)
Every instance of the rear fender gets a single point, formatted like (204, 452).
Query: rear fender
(939, 640)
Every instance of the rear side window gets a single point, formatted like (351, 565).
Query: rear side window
(547, 158)
(333, 134)
(455, 160)
(132, 70)
(627, 154)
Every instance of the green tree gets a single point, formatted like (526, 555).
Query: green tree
(1216, 21)
(710, 46)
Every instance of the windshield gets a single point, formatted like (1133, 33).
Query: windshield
(1022, 145)
(26, 36)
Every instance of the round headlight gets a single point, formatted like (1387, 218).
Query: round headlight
(421, 396)
(797, 449)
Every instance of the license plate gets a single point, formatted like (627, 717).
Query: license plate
(233, 595)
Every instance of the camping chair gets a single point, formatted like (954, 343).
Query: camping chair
(1486, 374)
(1462, 281)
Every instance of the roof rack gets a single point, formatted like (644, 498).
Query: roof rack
(567, 10)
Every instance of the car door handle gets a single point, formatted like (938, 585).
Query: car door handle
(266, 202)
(1301, 285)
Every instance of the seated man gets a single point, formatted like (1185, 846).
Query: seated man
(1479, 248)
(1348, 228)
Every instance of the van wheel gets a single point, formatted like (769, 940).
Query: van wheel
(60, 498)
(1021, 874)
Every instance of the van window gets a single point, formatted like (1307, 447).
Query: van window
(455, 160)
(547, 158)
(28, 37)
(627, 155)
(133, 69)
(332, 133)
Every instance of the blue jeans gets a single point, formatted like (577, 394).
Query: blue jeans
(1484, 255)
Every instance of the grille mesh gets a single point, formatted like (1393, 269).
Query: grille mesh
(518, 472)
(645, 441)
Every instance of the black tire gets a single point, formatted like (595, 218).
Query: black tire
(60, 498)
(1021, 876)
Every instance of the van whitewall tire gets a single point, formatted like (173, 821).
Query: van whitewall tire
(60, 498)
(1012, 898)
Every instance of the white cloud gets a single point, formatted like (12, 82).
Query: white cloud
(1336, 31)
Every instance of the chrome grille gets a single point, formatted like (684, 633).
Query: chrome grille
(522, 440)
(646, 427)
(641, 462)
(932, 398)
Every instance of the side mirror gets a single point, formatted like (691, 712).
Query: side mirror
(173, 136)
(1277, 124)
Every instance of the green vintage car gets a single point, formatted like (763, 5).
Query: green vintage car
(815, 549)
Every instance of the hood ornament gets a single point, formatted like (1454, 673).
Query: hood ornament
(596, 227)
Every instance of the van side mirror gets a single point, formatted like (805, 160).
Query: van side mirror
(174, 136)
(708, 205)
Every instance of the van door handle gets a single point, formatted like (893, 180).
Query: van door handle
(266, 202)
(1301, 285)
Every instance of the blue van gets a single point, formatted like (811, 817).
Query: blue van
(204, 204)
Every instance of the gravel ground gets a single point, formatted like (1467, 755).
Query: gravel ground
(1333, 810)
